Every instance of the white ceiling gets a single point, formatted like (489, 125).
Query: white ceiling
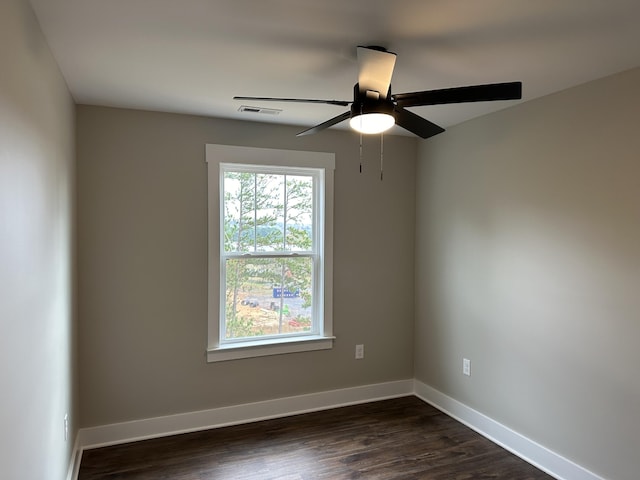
(193, 56)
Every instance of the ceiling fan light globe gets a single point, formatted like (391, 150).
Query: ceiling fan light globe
(372, 122)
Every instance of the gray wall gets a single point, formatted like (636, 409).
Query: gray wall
(528, 263)
(36, 259)
(142, 267)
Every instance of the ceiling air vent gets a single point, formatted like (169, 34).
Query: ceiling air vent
(265, 111)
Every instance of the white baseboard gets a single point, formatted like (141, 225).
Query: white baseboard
(530, 451)
(74, 461)
(250, 412)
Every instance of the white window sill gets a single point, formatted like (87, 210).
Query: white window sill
(268, 347)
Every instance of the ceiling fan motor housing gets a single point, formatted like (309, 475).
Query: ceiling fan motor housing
(364, 103)
(372, 106)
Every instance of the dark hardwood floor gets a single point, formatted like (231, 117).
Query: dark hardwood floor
(402, 438)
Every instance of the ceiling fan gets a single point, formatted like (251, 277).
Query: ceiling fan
(374, 109)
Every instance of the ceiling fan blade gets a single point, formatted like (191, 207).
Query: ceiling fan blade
(375, 69)
(327, 124)
(415, 123)
(341, 103)
(473, 93)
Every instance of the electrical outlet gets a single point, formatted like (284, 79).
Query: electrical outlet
(359, 352)
(66, 426)
(466, 366)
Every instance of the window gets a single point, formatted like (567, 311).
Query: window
(270, 251)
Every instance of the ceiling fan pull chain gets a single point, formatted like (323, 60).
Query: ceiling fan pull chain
(360, 141)
(381, 154)
(361, 153)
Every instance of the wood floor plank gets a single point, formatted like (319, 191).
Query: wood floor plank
(396, 439)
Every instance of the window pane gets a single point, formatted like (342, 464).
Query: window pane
(268, 296)
(239, 206)
(269, 218)
(299, 213)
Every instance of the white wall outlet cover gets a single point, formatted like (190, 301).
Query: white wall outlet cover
(466, 366)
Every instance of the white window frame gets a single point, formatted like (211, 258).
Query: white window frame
(217, 156)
